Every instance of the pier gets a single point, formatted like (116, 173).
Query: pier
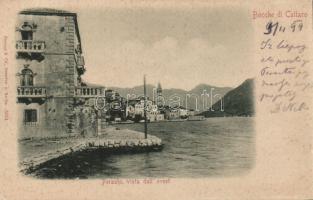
(37, 152)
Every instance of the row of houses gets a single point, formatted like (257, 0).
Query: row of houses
(134, 110)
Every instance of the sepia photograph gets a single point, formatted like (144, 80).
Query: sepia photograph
(135, 93)
(198, 99)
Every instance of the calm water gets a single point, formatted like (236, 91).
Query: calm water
(214, 147)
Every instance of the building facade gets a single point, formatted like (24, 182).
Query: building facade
(52, 100)
(136, 107)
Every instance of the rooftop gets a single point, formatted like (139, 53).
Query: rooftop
(46, 11)
(49, 12)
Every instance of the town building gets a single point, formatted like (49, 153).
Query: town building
(191, 112)
(136, 107)
(173, 113)
(52, 99)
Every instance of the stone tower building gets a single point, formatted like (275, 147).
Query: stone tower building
(52, 99)
(159, 90)
(160, 98)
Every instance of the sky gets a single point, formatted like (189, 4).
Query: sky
(180, 48)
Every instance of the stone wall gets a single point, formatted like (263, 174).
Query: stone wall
(56, 69)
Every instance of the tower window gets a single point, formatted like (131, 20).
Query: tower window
(26, 77)
(27, 30)
(27, 35)
(30, 116)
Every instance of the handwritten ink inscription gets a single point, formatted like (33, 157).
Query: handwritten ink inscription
(273, 28)
(284, 67)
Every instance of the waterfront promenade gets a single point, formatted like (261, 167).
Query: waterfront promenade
(35, 152)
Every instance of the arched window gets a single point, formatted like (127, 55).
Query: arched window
(27, 77)
(27, 30)
(27, 35)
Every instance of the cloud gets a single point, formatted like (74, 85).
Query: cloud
(179, 47)
(176, 64)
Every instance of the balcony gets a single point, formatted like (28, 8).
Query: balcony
(80, 60)
(31, 92)
(30, 46)
(88, 92)
(80, 64)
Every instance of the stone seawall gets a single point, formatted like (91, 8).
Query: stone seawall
(34, 153)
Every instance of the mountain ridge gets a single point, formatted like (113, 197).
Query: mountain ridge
(237, 102)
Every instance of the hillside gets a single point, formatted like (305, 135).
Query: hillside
(237, 102)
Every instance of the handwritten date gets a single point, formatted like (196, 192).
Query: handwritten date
(274, 28)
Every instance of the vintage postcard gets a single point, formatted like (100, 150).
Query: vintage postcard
(156, 99)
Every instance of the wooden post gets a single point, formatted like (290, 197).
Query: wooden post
(145, 105)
